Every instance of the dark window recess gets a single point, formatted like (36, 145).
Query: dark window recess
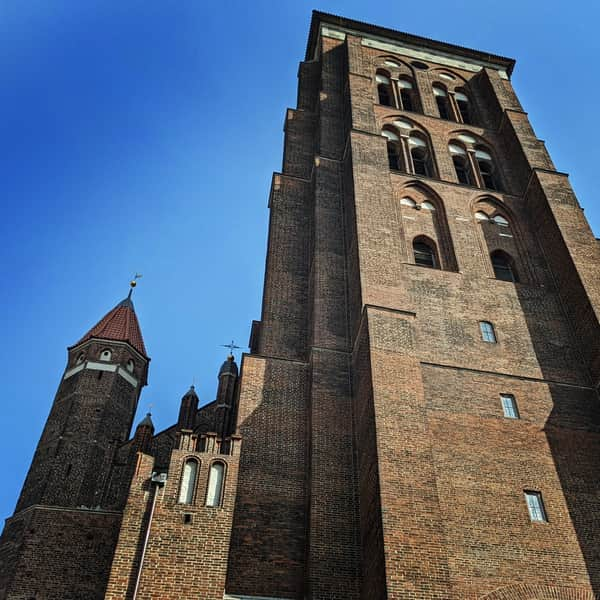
(487, 174)
(385, 97)
(503, 267)
(442, 106)
(424, 255)
(462, 170)
(406, 97)
(187, 518)
(393, 157)
(420, 163)
(463, 108)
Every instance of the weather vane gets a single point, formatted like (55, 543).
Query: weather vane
(231, 347)
(133, 283)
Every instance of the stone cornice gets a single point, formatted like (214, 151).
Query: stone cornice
(414, 41)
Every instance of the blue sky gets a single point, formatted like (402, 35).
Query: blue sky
(141, 136)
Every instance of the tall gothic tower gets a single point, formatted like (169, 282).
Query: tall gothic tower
(420, 411)
(60, 541)
(418, 417)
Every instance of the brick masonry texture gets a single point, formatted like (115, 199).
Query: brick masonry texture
(366, 450)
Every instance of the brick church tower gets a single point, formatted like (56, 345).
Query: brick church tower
(418, 416)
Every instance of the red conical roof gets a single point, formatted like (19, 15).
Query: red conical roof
(119, 324)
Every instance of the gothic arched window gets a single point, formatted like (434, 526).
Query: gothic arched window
(188, 481)
(406, 143)
(385, 93)
(503, 266)
(105, 355)
(443, 103)
(407, 94)
(424, 253)
(394, 150)
(421, 157)
(216, 478)
(463, 105)
(486, 168)
(460, 160)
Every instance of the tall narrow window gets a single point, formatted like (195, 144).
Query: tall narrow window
(535, 506)
(509, 406)
(487, 332)
(406, 94)
(188, 482)
(486, 169)
(384, 89)
(462, 102)
(503, 266)
(424, 254)
(461, 164)
(441, 98)
(215, 484)
(393, 149)
(419, 153)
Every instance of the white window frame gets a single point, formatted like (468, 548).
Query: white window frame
(535, 506)
(509, 406)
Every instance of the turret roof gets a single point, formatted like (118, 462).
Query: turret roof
(119, 324)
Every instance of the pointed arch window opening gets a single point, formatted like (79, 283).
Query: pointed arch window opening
(216, 479)
(420, 156)
(406, 94)
(188, 481)
(464, 107)
(385, 94)
(443, 103)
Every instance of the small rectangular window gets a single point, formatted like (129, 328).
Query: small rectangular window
(487, 332)
(535, 505)
(509, 406)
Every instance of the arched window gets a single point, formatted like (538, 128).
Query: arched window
(419, 152)
(441, 98)
(406, 143)
(503, 266)
(384, 89)
(488, 333)
(486, 168)
(393, 150)
(130, 366)
(188, 481)
(105, 355)
(424, 253)
(462, 102)
(215, 484)
(407, 91)
(461, 164)
(80, 358)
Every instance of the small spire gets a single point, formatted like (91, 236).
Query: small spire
(191, 392)
(147, 421)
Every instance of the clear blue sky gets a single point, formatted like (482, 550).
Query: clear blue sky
(141, 136)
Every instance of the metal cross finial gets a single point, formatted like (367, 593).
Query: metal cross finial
(231, 346)
(150, 407)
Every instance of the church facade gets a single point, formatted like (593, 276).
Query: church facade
(418, 416)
